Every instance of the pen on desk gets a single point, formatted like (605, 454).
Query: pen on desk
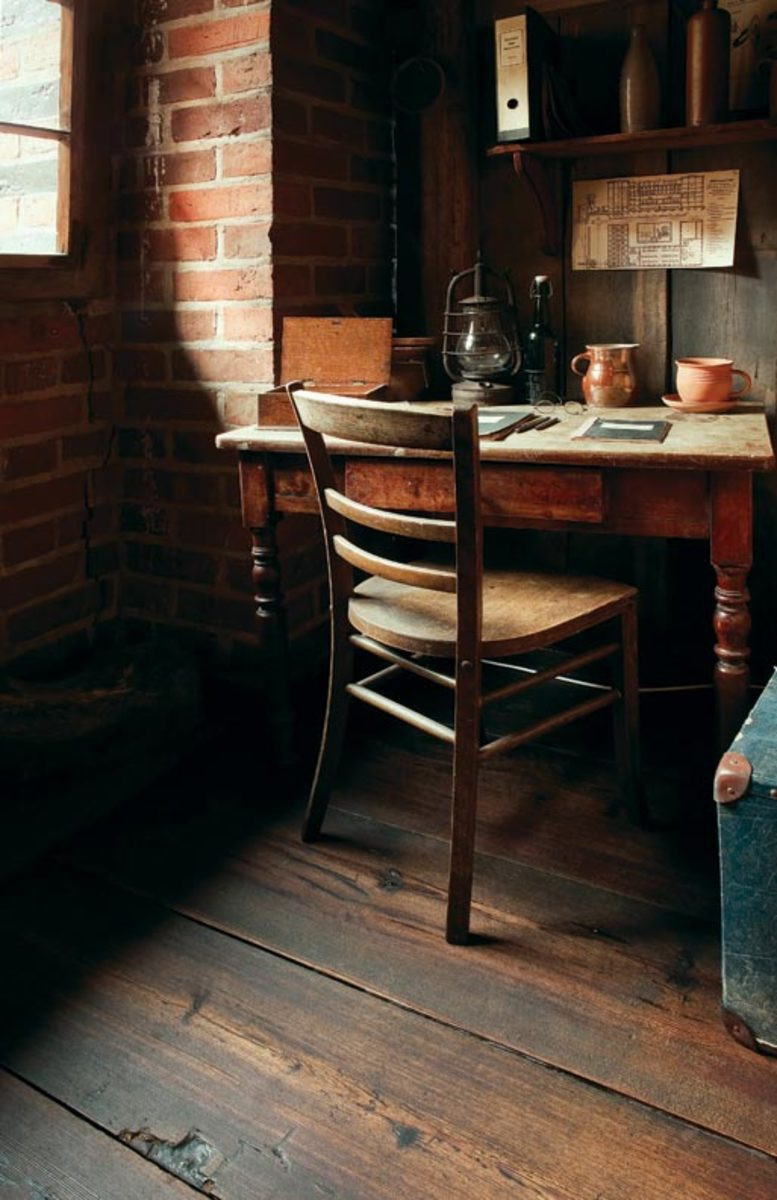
(527, 422)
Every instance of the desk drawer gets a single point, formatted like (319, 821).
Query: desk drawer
(533, 492)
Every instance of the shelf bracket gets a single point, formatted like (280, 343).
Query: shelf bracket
(543, 183)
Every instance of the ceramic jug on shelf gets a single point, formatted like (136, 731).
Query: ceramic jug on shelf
(609, 381)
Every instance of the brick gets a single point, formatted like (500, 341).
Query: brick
(346, 205)
(193, 487)
(53, 615)
(213, 203)
(147, 486)
(195, 447)
(306, 79)
(168, 562)
(246, 283)
(100, 329)
(150, 518)
(247, 158)
(301, 239)
(161, 325)
(182, 166)
(338, 127)
(151, 597)
(291, 280)
(289, 116)
(248, 324)
(344, 280)
(144, 287)
(102, 560)
(40, 416)
(95, 444)
(168, 404)
(245, 74)
(196, 244)
(312, 161)
(293, 199)
(153, 12)
(103, 520)
(209, 608)
(368, 169)
(80, 367)
(26, 585)
(335, 48)
(247, 241)
(227, 366)
(370, 241)
(196, 40)
(220, 120)
(39, 499)
(135, 364)
(217, 531)
(33, 541)
(137, 207)
(191, 83)
(141, 443)
(38, 334)
(36, 375)
(36, 458)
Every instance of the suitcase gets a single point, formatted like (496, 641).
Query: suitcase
(746, 796)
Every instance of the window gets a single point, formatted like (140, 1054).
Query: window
(36, 129)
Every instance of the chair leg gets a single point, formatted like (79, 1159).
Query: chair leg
(335, 723)
(626, 721)
(466, 763)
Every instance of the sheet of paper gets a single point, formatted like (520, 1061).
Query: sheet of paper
(654, 221)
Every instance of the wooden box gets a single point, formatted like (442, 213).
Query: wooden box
(350, 356)
(746, 795)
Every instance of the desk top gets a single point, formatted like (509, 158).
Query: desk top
(736, 440)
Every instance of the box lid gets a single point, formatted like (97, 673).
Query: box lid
(336, 350)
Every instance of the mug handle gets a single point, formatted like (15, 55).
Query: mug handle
(584, 354)
(748, 383)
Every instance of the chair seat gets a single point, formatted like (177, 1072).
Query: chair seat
(522, 611)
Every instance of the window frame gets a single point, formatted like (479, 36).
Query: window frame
(77, 271)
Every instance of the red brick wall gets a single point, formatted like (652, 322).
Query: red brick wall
(251, 178)
(59, 488)
(253, 181)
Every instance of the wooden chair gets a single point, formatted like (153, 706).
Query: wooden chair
(409, 614)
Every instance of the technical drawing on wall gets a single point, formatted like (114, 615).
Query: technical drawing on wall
(654, 221)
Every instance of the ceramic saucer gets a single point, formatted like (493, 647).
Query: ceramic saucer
(674, 401)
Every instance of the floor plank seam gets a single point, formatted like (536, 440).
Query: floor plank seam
(101, 1129)
(434, 1019)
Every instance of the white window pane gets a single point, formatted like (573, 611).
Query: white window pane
(30, 49)
(29, 176)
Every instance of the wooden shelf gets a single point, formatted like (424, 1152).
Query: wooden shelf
(684, 137)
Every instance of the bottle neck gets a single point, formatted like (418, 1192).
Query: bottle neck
(541, 309)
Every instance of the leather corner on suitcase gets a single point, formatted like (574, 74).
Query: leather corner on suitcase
(732, 778)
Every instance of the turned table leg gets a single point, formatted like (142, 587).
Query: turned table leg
(261, 518)
(731, 540)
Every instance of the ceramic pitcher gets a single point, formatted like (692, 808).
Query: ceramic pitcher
(609, 381)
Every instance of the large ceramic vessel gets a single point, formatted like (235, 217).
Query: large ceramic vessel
(609, 381)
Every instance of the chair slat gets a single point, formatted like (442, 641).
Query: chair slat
(372, 422)
(425, 528)
(547, 724)
(413, 575)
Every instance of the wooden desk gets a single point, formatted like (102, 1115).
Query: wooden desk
(695, 484)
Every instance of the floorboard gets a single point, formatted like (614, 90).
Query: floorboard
(157, 1029)
(47, 1153)
(612, 989)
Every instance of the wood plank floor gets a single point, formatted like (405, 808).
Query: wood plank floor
(196, 1003)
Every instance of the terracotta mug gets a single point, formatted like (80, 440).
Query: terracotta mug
(709, 380)
(609, 381)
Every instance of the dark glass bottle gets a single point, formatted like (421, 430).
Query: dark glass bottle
(540, 360)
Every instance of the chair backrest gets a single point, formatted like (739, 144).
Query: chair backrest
(378, 424)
